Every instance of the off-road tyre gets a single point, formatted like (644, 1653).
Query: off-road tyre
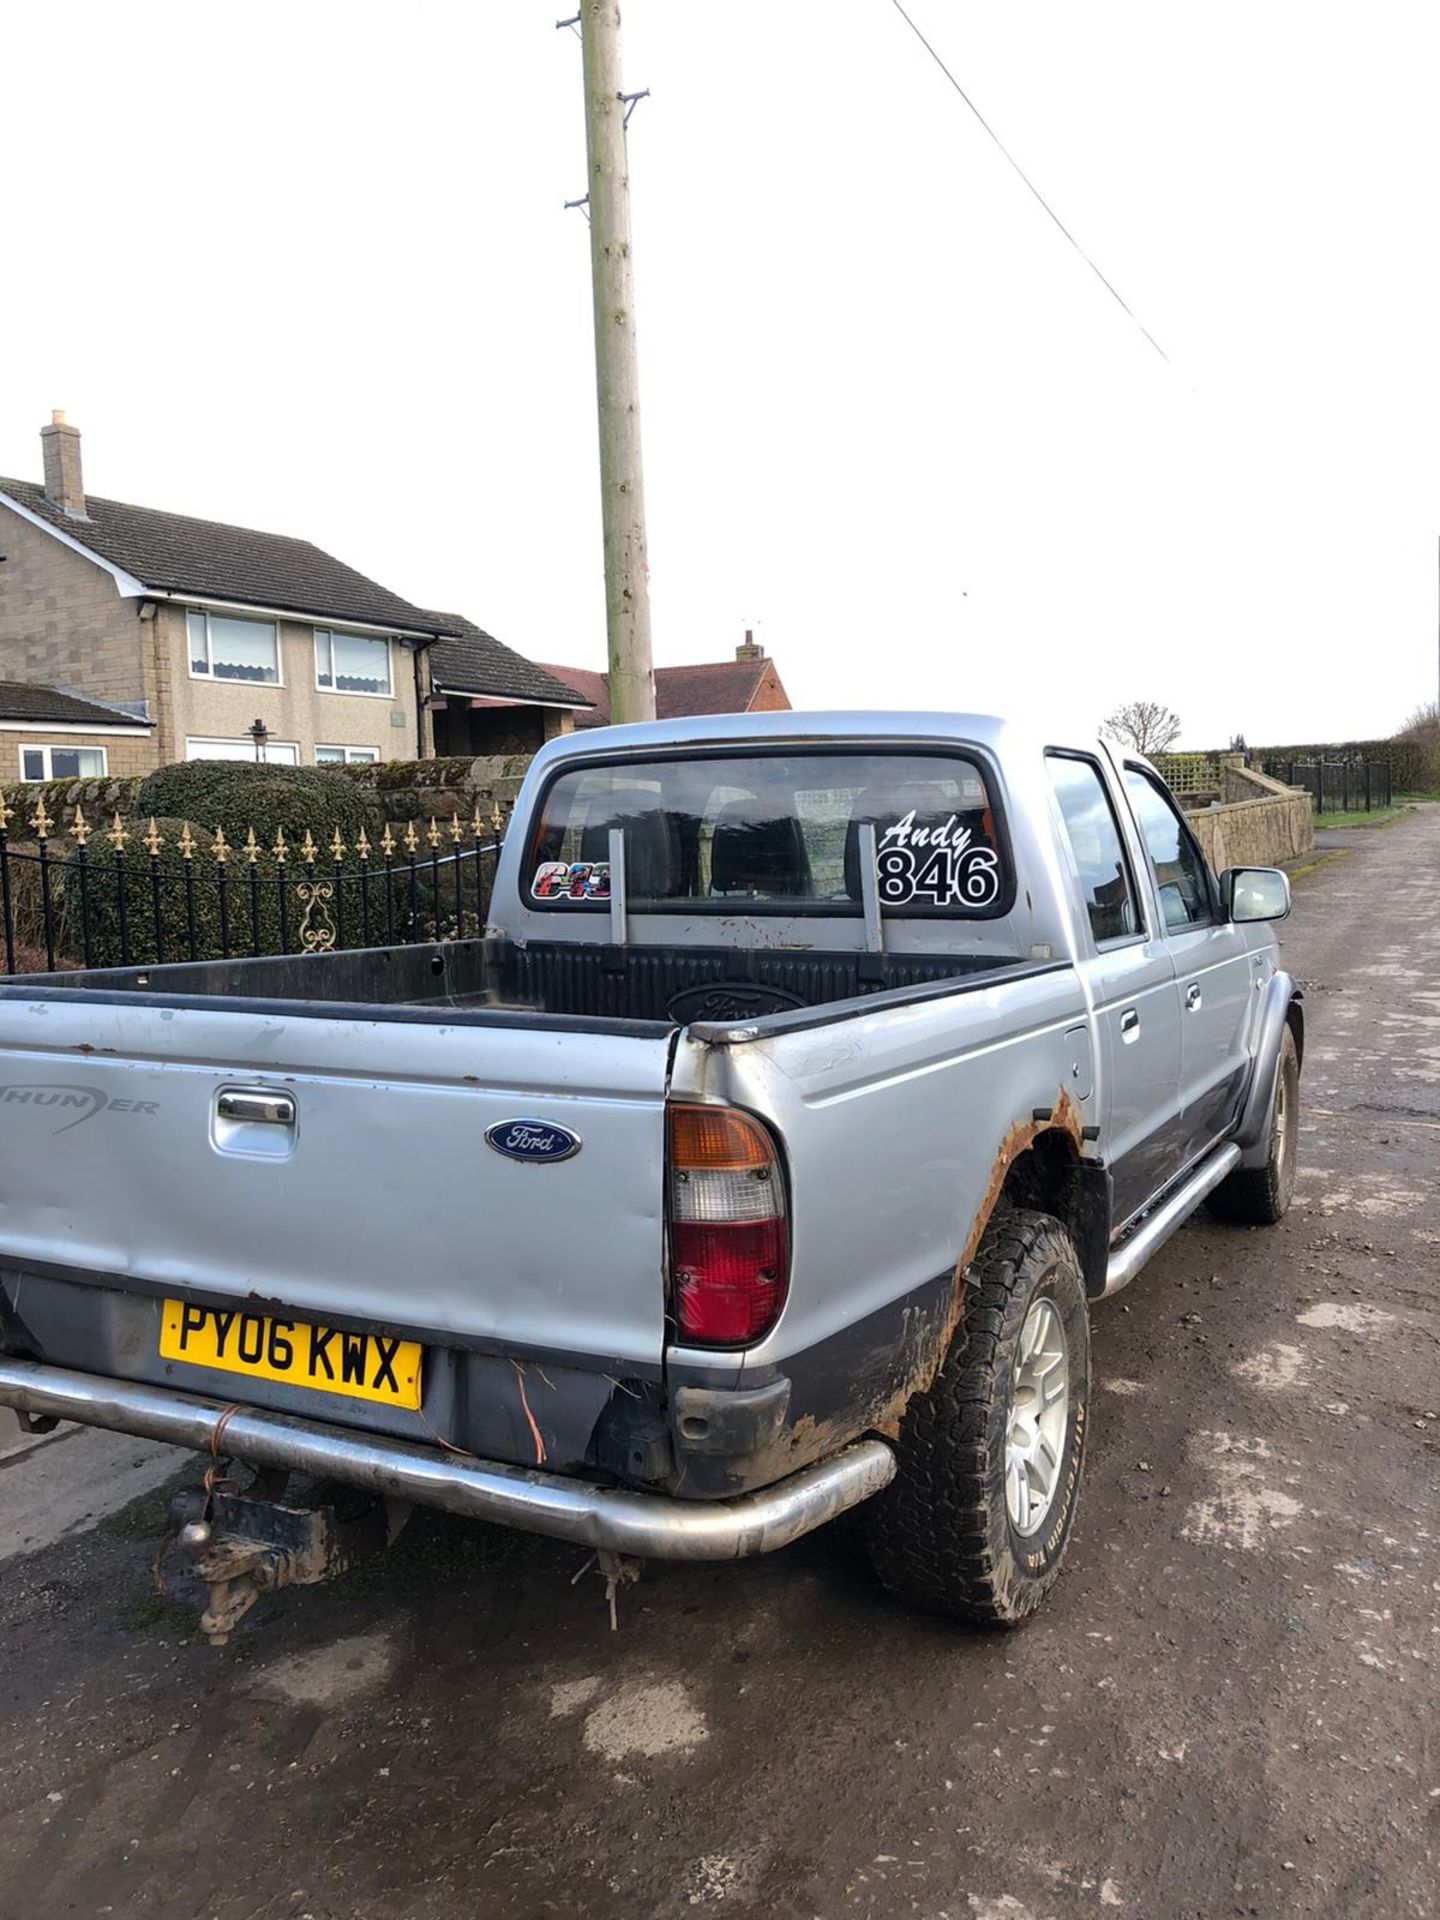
(940, 1535)
(1260, 1196)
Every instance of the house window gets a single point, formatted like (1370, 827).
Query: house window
(224, 648)
(275, 753)
(351, 663)
(62, 763)
(346, 756)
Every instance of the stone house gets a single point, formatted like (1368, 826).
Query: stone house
(49, 735)
(485, 698)
(747, 684)
(217, 642)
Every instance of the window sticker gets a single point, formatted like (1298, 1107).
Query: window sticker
(571, 880)
(941, 865)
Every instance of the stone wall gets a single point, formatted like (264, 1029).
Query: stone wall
(1256, 833)
(439, 789)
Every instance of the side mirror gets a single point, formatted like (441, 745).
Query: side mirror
(1255, 893)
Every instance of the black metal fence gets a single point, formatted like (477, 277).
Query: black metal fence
(1337, 786)
(128, 896)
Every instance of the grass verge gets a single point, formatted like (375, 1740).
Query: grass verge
(1376, 817)
(1315, 861)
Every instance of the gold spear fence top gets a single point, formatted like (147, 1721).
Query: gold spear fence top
(154, 839)
(80, 831)
(4, 813)
(221, 848)
(308, 849)
(186, 842)
(337, 846)
(41, 820)
(432, 833)
(411, 841)
(117, 835)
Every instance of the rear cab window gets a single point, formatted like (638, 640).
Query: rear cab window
(777, 832)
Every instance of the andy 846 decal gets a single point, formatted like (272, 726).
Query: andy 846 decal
(943, 866)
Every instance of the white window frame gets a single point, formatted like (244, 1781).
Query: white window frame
(60, 747)
(354, 756)
(371, 639)
(210, 677)
(247, 747)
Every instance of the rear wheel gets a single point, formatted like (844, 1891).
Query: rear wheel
(1260, 1196)
(976, 1521)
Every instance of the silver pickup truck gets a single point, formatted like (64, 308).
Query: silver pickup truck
(813, 1076)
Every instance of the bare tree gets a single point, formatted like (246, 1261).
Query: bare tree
(1423, 723)
(1147, 725)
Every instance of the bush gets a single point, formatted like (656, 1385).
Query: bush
(1414, 764)
(232, 795)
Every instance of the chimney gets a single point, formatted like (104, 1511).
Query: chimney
(749, 651)
(63, 486)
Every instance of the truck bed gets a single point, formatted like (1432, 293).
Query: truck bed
(666, 986)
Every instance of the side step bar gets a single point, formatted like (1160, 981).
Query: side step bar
(1156, 1228)
(647, 1526)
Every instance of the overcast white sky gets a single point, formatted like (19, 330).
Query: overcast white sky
(306, 268)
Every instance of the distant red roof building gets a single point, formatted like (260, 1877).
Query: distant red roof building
(746, 684)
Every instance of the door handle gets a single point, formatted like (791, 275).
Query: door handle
(257, 1104)
(1193, 997)
(1129, 1025)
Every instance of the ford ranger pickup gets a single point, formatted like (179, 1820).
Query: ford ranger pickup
(814, 1076)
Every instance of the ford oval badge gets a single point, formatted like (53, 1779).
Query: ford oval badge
(537, 1142)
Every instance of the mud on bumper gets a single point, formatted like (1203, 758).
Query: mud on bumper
(644, 1526)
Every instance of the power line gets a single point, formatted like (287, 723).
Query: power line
(1015, 164)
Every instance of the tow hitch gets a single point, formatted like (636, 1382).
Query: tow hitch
(245, 1544)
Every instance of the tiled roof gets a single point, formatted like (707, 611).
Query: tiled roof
(720, 686)
(478, 664)
(19, 700)
(175, 554)
(594, 688)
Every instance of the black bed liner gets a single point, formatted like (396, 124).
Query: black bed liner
(721, 991)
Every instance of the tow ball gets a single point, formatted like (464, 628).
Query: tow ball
(245, 1544)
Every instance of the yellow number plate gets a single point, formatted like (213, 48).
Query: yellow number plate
(362, 1366)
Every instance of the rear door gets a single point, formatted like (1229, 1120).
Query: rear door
(378, 1178)
(1130, 973)
(1212, 963)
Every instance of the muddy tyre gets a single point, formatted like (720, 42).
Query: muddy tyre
(1260, 1196)
(976, 1521)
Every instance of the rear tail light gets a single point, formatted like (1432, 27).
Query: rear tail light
(729, 1248)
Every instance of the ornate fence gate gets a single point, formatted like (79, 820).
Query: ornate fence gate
(133, 895)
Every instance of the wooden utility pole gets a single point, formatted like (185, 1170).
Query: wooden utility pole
(617, 377)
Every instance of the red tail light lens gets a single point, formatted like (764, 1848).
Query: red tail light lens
(729, 1247)
(729, 1280)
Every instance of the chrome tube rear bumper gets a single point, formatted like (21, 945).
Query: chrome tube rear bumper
(646, 1525)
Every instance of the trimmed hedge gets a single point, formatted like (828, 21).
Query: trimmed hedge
(229, 794)
(1414, 764)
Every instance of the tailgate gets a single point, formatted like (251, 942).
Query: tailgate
(381, 1198)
